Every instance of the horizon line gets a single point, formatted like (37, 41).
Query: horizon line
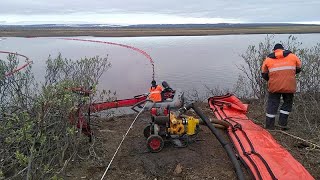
(111, 24)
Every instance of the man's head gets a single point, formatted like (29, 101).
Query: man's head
(153, 83)
(278, 46)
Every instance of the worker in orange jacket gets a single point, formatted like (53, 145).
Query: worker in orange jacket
(279, 69)
(155, 92)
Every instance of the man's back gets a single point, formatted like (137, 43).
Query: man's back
(155, 93)
(281, 67)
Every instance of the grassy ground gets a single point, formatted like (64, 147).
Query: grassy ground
(126, 32)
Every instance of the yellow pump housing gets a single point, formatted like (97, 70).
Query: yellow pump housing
(192, 125)
(176, 125)
(180, 126)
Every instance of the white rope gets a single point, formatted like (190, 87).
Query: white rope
(105, 172)
(299, 138)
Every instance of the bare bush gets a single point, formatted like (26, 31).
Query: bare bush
(309, 78)
(216, 91)
(307, 100)
(195, 95)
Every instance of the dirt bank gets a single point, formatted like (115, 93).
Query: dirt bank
(203, 159)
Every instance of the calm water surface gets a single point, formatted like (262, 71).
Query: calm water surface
(184, 62)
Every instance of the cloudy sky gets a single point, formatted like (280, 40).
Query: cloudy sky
(125, 12)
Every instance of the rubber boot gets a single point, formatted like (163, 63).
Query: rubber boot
(270, 123)
(283, 121)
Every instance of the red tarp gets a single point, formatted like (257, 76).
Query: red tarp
(256, 147)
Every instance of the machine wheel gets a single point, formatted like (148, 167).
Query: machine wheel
(147, 131)
(155, 143)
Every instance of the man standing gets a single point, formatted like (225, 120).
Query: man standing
(279, 69)
(155, 92)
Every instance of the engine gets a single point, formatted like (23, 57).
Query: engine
(168, 126)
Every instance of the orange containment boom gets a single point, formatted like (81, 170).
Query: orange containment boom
(256, 147)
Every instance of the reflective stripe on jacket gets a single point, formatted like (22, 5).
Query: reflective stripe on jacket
(155, 93)
(281, 68)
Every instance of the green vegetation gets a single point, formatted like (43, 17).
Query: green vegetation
(37, 139)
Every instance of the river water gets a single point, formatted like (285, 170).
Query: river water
(186, 62)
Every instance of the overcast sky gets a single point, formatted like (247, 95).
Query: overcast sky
(158, 12)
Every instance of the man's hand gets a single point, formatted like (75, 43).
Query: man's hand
(298, 70)
(265, 76)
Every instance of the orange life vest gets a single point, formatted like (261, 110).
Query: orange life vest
(281, 67)
(155, 93)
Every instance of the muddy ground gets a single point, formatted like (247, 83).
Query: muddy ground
(202, 159)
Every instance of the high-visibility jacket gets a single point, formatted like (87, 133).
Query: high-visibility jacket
(281, 67)
(155, 93)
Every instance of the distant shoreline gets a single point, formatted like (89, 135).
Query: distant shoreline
(143, 32)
